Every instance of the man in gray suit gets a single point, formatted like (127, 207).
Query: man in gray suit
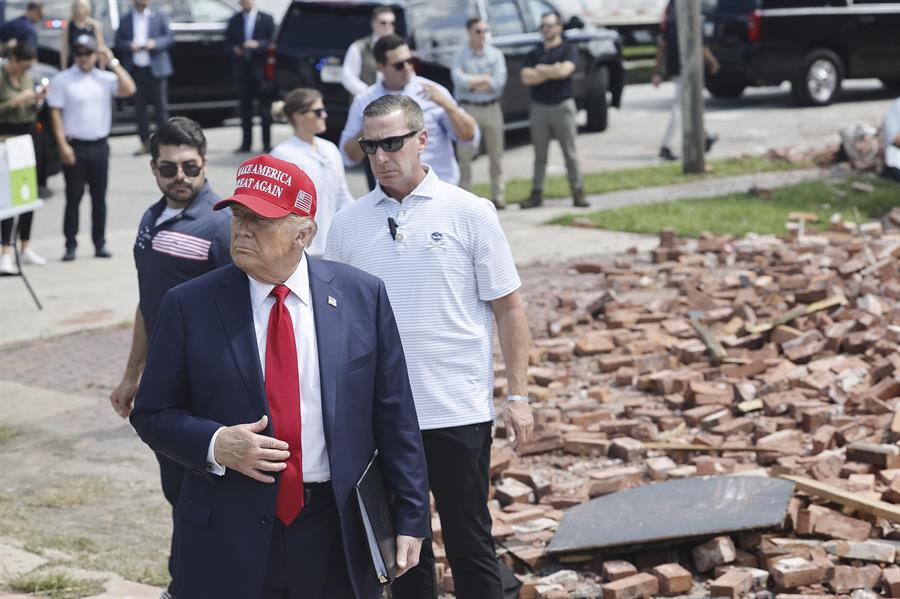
(142, 43)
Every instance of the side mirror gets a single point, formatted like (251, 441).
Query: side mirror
(574, 22)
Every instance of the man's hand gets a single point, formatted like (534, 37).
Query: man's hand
(251, 44)
(238, 51)
(104, 54)
(519, 422)
(242, 448)
(67, 154)
(408, 549)
(135, 47)
(122, 397)
(151, 44)
(432, 93)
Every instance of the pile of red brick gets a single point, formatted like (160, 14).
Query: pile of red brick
(718, 356)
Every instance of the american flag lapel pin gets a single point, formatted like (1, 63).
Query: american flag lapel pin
(332, 302)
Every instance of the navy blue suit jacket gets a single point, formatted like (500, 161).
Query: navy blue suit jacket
(263, 32)
(158, 29)
(203, 371)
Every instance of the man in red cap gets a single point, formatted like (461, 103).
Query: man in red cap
(273, 381)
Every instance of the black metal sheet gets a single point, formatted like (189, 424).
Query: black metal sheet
(691, 507)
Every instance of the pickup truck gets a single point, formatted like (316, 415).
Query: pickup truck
(315, 34)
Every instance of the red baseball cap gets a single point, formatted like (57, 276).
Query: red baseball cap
(273, 188)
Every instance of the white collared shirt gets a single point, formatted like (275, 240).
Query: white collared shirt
(85, 98)
(141, 22)
(323, 163)
(299, 305)
(250, 23)
(449, 260)
(352, 68)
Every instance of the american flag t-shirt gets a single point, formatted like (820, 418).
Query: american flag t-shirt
(181, 245)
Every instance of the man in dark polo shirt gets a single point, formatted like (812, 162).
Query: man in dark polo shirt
(548, 72)
(179, 238)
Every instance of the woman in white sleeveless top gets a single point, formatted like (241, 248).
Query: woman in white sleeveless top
(318, 157)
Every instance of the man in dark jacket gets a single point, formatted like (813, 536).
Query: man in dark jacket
(142, 43)
(247, 38)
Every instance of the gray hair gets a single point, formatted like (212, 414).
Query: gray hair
(389, 104)
(304, 223)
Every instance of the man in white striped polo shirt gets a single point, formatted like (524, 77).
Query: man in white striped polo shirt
(448, 270)
(179, 238)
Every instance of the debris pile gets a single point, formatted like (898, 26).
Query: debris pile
(750, 357)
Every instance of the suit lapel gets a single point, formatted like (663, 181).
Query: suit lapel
(327, 307)
(237, 319)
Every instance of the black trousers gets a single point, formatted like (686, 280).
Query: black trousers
(171, 474)
(252, 90)
(91, 168)
(149, 89)
(23, 228)
(306, 559)
(459, 460)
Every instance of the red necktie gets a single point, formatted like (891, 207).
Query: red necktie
(283, 394)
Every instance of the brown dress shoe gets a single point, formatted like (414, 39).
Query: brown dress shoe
(578, 199)
(534, 200)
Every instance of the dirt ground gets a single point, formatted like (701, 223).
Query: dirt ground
(78, 487)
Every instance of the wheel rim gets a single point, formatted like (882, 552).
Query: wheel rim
(821, 80)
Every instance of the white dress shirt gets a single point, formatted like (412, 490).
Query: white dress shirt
(141, 22)
(299, 305)
(250, 23)
(322, 161)
(85, 98)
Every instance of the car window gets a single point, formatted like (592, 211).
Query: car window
(328, 26)
(188, 11)
(505, 17)
(441, 24)
(537, 9)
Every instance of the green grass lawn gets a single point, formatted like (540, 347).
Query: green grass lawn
(741, 213)
(645, 176)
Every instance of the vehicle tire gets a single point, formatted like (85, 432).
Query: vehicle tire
(818, 82)
(596, 101)
(725, 88)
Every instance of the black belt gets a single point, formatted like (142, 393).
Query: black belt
(316, 491)
(488, 103)
(87, 141)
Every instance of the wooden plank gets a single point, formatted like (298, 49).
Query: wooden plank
(707, 448)
(846, 498)
(715, 349)
(796, 312)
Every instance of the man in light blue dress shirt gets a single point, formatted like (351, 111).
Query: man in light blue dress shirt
(445, 121)
(479, 76)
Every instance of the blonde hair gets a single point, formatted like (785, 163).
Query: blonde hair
(82, 4)
(295, 101)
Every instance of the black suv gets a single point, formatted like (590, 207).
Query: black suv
(315, 34)
(814, 44)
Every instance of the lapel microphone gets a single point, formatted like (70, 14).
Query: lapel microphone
(392, 226)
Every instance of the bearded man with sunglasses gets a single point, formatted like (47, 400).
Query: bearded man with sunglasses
(445, 121)
(449, 273)
(180, 237)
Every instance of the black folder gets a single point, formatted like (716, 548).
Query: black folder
(378, 521)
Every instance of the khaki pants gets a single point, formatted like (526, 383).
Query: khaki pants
(550, 121)
(490, 121)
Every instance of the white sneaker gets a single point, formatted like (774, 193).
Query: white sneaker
(7, 265)
(29, 256)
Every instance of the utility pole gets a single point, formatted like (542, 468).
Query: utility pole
(690, 47)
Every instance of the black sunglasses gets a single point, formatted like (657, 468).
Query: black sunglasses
(82, 53)
(401, 64)
(319, 111)
(482, 31)
(388, 144)
(170, 170)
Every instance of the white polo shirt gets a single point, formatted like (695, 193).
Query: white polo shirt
(449, 260)
(86, 101)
